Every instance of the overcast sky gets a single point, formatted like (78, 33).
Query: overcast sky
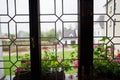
(47, 6)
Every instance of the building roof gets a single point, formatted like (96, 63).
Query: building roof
(70, 33)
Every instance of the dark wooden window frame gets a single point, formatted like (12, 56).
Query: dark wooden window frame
(85, 41)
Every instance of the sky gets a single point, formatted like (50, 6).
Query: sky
(47, 6)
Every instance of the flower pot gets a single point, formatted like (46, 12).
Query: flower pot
(26, 75)
(54, 76)
(106, 76)
(23, 75)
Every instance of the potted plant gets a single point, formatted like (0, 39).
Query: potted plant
(23, 71)
(52, 66)
(106, 64)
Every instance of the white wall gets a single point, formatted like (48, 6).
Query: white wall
(1, 58)
(69, 41)
(1, 63)
(98, 31)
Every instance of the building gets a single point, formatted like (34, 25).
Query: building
(69, 36)
(99, 28)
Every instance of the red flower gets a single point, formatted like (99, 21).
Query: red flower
(75, 63)
(58, 46)
(95, 46)
(28, 63)
(118, 55)
(117, 60)
(17, 70)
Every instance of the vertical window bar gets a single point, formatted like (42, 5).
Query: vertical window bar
(86, 40)
(34, 39)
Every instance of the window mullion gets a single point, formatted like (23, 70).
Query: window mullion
(86, 40)
(34, 39)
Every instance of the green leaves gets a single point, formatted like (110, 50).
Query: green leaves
(104, 39)
(102, 50)
(104, 62)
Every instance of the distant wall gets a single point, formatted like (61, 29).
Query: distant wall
(1, 63)
(1, 57)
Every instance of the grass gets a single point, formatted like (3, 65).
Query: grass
(8, 64)
(13, 60)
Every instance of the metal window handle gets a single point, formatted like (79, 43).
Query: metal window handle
(33, 43)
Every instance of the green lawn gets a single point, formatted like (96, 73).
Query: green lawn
(8, 64)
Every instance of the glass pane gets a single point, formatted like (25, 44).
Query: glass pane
(3, 7)
(47, 6)
(59, 39)
(14, 39)
(106, 40)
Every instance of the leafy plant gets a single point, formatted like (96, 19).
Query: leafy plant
(50, 62)
(105, 64)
